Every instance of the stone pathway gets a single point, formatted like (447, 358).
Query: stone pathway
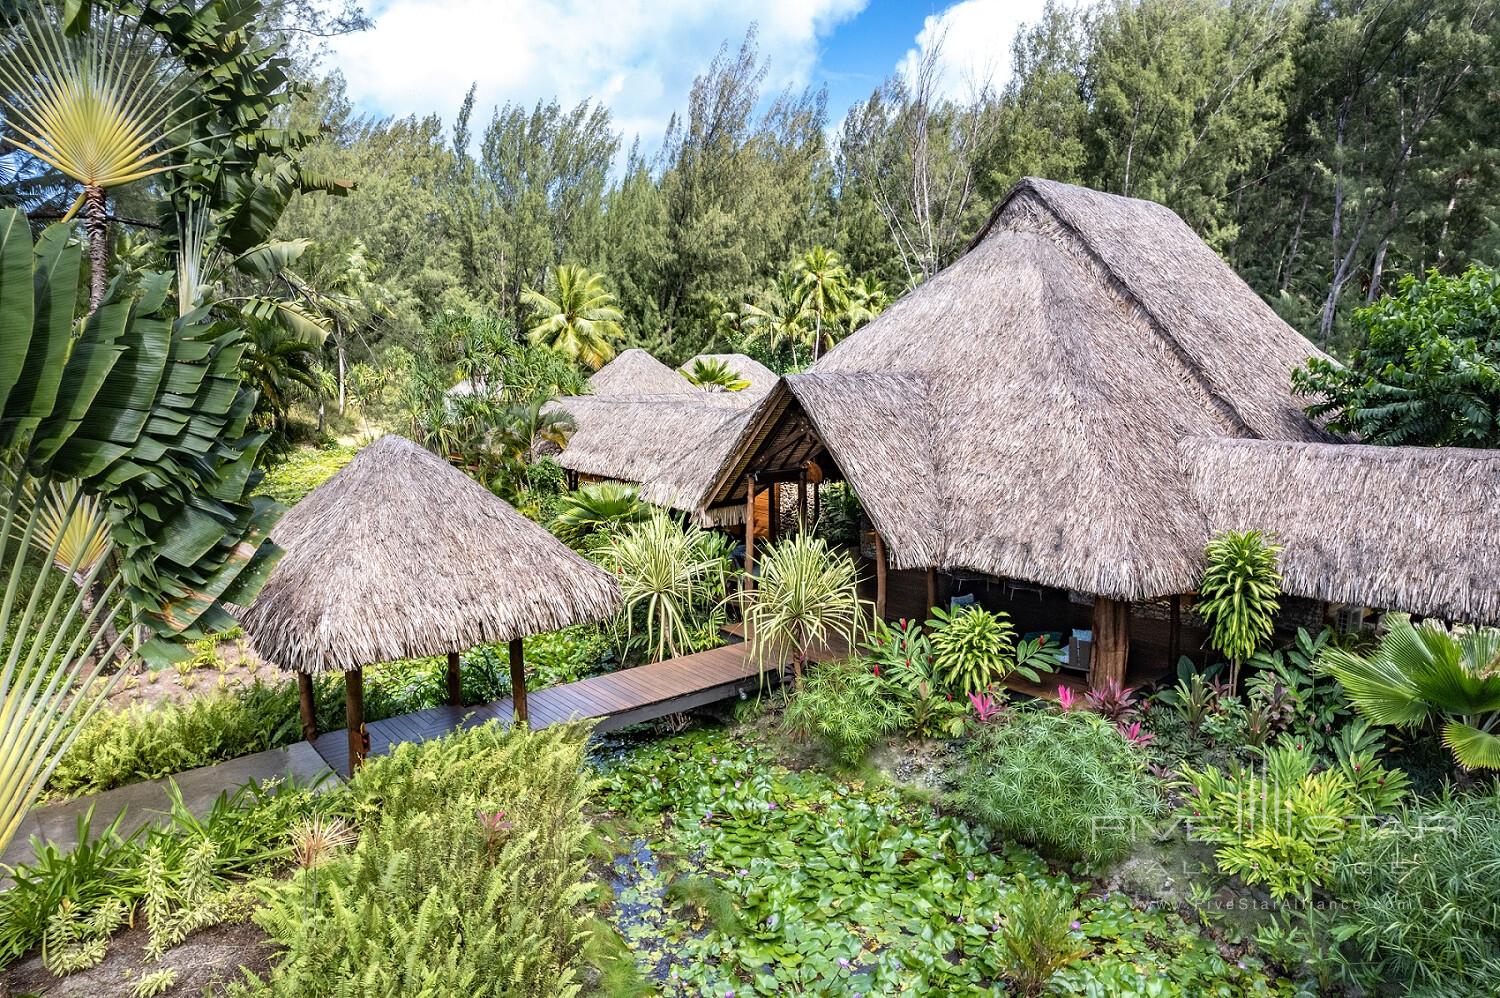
(148, 802)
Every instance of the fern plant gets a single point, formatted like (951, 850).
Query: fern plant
(973, 649)
(1239, 595)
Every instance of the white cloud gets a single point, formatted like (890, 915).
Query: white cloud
(637, 56)
(973, 39)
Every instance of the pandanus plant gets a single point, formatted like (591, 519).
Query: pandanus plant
(805, 596)
(98, 108)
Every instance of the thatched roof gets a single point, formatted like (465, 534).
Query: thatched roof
(1407, 528)
(1019, 413)
(401, 555)
(636, 372)
(762, 379)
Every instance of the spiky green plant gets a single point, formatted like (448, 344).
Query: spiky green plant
(715, 375)
(1036, 935)
(668, 576)
(595, 507)
(806, 595)
(1429, 674)
(576, 316)
(1239, 595)
(97, 108)
(973, 648)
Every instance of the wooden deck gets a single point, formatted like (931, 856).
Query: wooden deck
(616, 699)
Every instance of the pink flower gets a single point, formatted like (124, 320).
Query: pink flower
(1066, 698)
(1134, 735)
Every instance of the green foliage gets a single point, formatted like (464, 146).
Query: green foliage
(1068, 783)
(1036, 936)
(143, 742)
(835, 706)
(1238, 595)
(291, 477)
(839, 513)
(973, 648)
(1281, 823)
(715, 375)
(107, 870)
(843, 887)
(601, 506)
(671, 577)
(1417, 900)
(470, 858)
(576, 316)
(1316, 705)
(1426, 372)
(805, 596)
(1429, 674)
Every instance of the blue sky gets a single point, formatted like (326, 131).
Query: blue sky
(640, 56)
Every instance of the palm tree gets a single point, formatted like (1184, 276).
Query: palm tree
(578, 318)
(867, 299)
(715, 376)
(96, 108)
(595, 507)
(805, 595)
(781, 315)
(1429, 674)
(824, 287)
(524, 428)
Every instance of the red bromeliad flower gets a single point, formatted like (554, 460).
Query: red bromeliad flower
(986, 708)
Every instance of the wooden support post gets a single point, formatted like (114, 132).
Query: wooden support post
(880, 573)
(802, 503)
(932, 596)
(1111, 652)
(309, 706)
(455, 681)
(747, 581)
(354, 714)
(773, 512)
(1174, 635)
(817, 502)
(518, 681)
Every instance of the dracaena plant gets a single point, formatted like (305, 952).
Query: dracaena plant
(1239, 595)
(1428, 674)
(973, 648)
(143, 414)
(806, 596)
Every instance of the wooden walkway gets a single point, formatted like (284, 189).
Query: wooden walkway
(615, 699)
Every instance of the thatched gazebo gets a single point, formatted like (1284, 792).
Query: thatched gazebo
(400, 555)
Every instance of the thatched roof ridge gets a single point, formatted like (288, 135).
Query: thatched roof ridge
(1405, 528)
(636, 372)
(401, 555)
(1051, 376)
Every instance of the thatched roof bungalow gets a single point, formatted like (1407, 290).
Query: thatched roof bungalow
(1019, 414)
(636, 372)
(401, 555)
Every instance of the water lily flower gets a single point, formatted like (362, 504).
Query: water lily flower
(1077, 925)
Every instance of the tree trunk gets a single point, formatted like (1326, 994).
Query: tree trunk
(341, 375)
(104, 628)
(96, 224)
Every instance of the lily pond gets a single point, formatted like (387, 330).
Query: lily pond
(734, 874)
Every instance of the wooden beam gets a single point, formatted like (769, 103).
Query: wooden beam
(802, 504)
(747, 581)
(932, 595)
(305, 697)
(880, 573)
(354, 714)
(1111, 653)
(817, 501)
(518, 681)
(455, 681)
(773, 514)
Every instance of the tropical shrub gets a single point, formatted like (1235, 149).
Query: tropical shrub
(1417, 900)
(143, 742)
(838, 514)
(972, 648)
(601, 506)
(834, 706)
(1239, 595)
(1036, 937)
(670, 578)
(900, 672)
(715, 375)
(1428, 674)
(1316, 707)
(1068, 783)
(1282, 823)
(805, 597)
(470, 858)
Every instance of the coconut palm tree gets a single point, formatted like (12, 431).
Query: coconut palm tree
(96, 108)
(867, 299)
(578, 317)
(715, 376)
(781, 315)
(1430, 674)
(805, 595)
(825, 289)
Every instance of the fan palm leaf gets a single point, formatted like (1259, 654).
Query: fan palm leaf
(715, 375)
(595, 507)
